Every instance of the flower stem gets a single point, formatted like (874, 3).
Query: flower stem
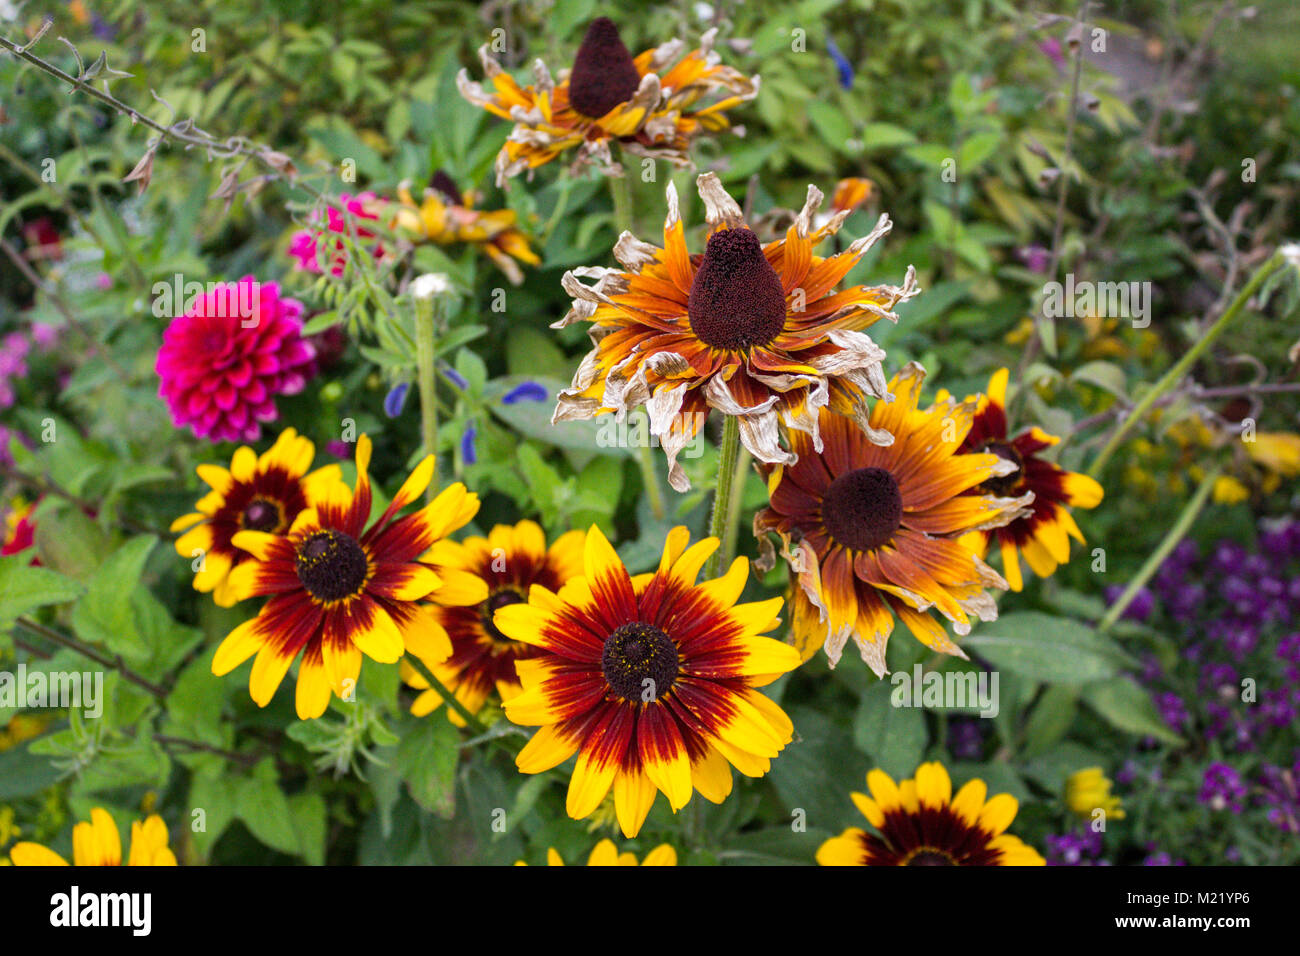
(1157, 558)
(473, 723)
(1181, 367)
(425, 361)
(728, 457)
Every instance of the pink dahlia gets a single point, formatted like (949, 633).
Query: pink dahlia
(223, 362)
(306, 245)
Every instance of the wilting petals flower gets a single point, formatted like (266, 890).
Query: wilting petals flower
(339, 589)
(920, 822)
(651, 680)
(751, 330)
(97, 843)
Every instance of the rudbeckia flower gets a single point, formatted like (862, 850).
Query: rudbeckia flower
(1042, 534)
(1089, 790)
(650, 108)
(445, 216)
(257, 493)
(651, 680)
(752, 330)
(339, 589)
(920, 823)
(605, 853)
(869, 530)
(97, 843)
(508, 562)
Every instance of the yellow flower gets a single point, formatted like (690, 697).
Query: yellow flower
(97, 844)
(1277, 451)
(1229, 491)
(606, 854)
(1089, 790)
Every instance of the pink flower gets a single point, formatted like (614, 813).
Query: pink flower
(44, 335)
(103, 281)
(305, 245)
(223, 362)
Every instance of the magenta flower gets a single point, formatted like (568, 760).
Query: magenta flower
(225, 360)
(306, 245)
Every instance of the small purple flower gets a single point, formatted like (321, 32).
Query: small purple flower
(966, 738)
(1173, 711)
(1051, 48)
(340, 449)
(395, 399)
(1139, 609)
(1222, 788)
(1078, 848)
(842, 64)
(453, 376)
(1162, 858)
(468, 450)
(526, 392)
(1036, 258)
(1288, 649)
(44, 335)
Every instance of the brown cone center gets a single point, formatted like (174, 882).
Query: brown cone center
(736, 299)
(603, 74)
(862, 509)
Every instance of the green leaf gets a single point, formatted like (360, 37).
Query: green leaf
(800, 774)
(265, 810)
(895, 737)
(1127, 707)
(106, 614)
(426, 759)
(1051, 718)
(885, 135)
(1105, 375)
(307, 811)
(24, 588)
(1053, 650)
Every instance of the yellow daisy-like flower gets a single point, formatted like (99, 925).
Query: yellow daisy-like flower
(339, 589)
(606, 853)
(650, 108)
(445, 216)
(258, 493)
(1042, 535)
(1089, 790)
(651, 680)
(752, 330)
(97, 843)
(509, 561)
(920, 823)
(870, 530)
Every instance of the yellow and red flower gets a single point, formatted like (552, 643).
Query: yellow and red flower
(19, 529)
(97, 843)
(446, 216)
(650, 108)
(605, 853)
(339, 590)
(651, 680)
(258, 493)
(920, 823)
(509, 561)
(870, 530)
(752, 330)
(1042, 534)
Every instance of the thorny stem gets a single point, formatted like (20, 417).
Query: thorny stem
(1157, 558)
(728, 457)
(1181, 367)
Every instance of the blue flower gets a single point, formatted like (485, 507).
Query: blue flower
(841, 63)
(454, 377)
(395, 399)
(469, 453)
(527, 391)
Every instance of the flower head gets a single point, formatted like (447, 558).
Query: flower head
(1042, 534)
(605, 853)
(752, 330)
(445, 216)
(651, 680)
(339, 589)
(504, 565)
(97, 843)
(258, 493)
(920, 823)
(870, 530)
(1088, 790)
(225, 360)
(309, 246)
(649, 107)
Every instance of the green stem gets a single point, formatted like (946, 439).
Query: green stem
(728, 457)
(732, 538)
(425, 361)
(1157, 558)
(473, 723)
(1181, 367)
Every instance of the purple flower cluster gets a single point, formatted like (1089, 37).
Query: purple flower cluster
(1222, 788)
(1281, 794)
(14, 349)
(1076, 848)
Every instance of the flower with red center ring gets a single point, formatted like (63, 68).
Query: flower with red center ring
(1043, 534)
(752, 330)
(97, 843)
(339, 589)
(651, 680)
(920, 823)
(605, 853)
(258, 493)
(869, 530)
(650, 108)
(225, 360)
(508, 561)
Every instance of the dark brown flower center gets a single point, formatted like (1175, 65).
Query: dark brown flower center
(736, 300)
(928, 856)
(331, 565)
(261, 515)
(1006, 485)
(603, 74)
(447, 186)
(862, 509)
(497, 600)
(640, 662)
